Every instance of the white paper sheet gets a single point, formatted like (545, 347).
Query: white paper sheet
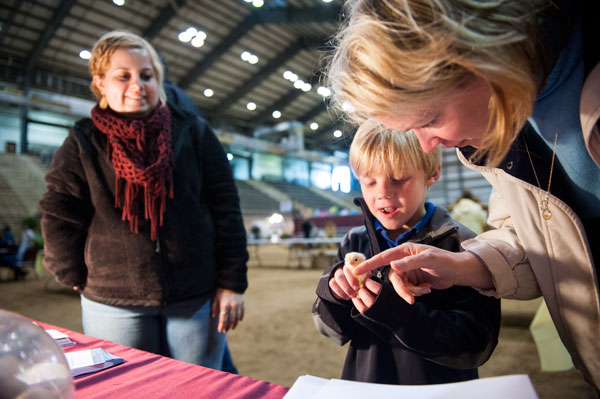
(306, 387)
(91, 360)
(503, 387)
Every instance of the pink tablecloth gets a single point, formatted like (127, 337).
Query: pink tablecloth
(148, 376)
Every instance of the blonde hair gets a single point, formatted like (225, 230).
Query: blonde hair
(395, 56)
(110, 42)
(377, 149)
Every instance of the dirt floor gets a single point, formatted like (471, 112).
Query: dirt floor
(277, 340)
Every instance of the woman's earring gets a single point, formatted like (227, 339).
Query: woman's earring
(103, 104)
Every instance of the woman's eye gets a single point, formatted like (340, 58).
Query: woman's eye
(123, 77)
(147, 77)
(431, 123)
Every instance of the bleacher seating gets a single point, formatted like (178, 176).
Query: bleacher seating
(303, 195)
(253, 202)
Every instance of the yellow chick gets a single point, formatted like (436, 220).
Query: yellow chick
(353, 259)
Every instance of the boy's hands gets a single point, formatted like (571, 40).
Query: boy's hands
(344, 286)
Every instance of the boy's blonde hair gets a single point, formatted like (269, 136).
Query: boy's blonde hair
(111, 42)
(377, 149)
(394, 56)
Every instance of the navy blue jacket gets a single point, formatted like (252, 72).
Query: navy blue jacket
(443, 337)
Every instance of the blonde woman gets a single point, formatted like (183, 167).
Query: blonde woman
(515, 86)
(142, 215)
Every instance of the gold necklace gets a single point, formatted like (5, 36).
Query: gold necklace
(546, 213)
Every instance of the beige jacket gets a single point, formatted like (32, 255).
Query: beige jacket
(529, 256)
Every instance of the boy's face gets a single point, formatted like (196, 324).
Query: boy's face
(397, 203)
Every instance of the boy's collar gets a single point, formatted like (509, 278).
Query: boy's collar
(429, 210)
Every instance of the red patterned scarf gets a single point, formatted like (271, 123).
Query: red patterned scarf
(143, 160)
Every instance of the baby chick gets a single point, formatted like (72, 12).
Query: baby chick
(353, 259)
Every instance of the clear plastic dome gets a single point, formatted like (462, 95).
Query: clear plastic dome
(32, 365)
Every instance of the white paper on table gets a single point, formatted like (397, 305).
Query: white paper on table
(91, 360)
(60, 338)
(305, 387)
(510, 386)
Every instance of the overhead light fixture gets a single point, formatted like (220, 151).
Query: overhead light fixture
(324, 91)
(193, 35)
(119, 2)
(208, 92)
(291, 76)
(337, 133)
(314, 126)
(249, 57)
(276, 114)
(86, 55)
(251, 106)
(258, 3)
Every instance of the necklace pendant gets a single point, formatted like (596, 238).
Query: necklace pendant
(546, 213)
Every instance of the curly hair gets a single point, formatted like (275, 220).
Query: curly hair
(396, 56)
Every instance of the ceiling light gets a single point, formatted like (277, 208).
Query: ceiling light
(337, 133)
(208, 92)
(119, 2)
(251, 106)
(298, 84)
(324, 91)
(253, 59)
(288, 75)
(245, 56)
(276, 114)
(314, 126)
(327, 1)
(184, 36)
(258, 3)
(194, 35)
(197, 42)
(86, 55)
(229, 156)
(306, 87)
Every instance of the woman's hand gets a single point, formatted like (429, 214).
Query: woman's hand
(415, 267)
(342, 283)
(229, 307)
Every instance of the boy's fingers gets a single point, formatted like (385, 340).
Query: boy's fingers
(401, 289)
(351, 279)
(373, 286)
(367, 298)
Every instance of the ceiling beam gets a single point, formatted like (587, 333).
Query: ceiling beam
(286, 15)
(314, 111)
(46, 35)
(164, 16)
(219, 50)
(260, 76)
(279, 105)
(268, 14)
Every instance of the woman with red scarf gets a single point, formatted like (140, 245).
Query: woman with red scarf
(142, 215)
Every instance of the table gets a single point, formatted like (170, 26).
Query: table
(299, 249)
(148, 376)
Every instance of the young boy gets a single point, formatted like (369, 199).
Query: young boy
(445, 334)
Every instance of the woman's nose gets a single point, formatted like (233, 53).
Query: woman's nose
(428, 142)
(135, 81)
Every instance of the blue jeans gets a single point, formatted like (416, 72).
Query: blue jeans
(184, 331)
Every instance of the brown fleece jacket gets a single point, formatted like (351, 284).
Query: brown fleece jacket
(201, 244)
